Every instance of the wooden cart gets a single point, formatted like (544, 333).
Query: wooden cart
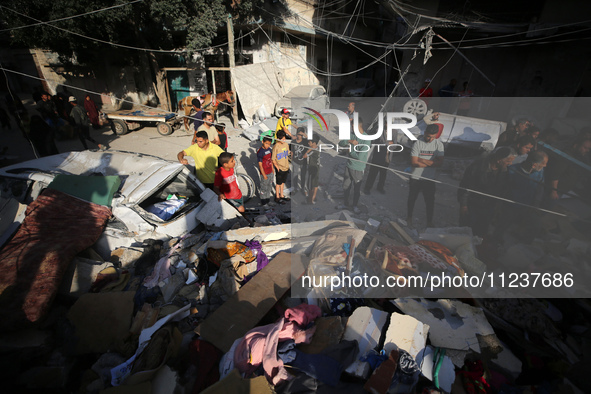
(126, 120)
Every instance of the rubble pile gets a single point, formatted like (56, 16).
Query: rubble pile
(215, 312)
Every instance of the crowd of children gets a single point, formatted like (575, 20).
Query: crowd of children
(275, 161)
(273, 158)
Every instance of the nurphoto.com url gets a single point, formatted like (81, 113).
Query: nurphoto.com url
(442, 281)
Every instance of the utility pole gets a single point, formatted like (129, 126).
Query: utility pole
(232, 65)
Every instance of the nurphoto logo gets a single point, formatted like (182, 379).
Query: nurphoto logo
(394, 121)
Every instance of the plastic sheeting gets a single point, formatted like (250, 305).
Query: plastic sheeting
(256, 85)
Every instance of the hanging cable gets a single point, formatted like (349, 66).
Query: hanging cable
(121, 45)
(68, 17)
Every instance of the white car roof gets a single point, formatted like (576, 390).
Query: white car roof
(140, 174)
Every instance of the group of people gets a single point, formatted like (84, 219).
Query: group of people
(518, 170)
(214, 166)
(53, 113)
(523, 171)
(203, 121)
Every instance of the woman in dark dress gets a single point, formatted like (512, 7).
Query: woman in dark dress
(93, 112)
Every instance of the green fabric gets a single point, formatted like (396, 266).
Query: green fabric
(360, 157)
(96, 189)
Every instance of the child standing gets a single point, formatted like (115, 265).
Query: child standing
(313, 156)
(299, 164)
(221, 129)
(264, 155)
(225, 185)
(281, 163)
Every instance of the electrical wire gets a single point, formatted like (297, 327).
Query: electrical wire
(316, 69)
(330, 37)
(502, 44)
(17, 114)
(348, 158)
(155, 109)
(524, 32)
(351, 18)
(121, 45)
(406, 175)
(68, 17)
(448, 60)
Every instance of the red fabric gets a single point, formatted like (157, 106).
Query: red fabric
(92, 109)
(56, 228)
(206, 358)
(303, 314)
(443, 253)
(426, 92)
(226, 181)
(440, 126)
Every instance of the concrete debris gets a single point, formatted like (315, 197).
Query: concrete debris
(171, 286)
(521, 257)
(81, 274)
(452, 323)
(216, 285)
(364, 326)
(407, 333)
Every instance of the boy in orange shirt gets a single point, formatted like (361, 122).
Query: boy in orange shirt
(280, 157)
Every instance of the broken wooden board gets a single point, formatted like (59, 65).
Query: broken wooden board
(364, 326)
(402, 233)
(284, 231)
(246, 308)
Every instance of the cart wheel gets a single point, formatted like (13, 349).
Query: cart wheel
(416, 107)
(120, 127)
(164, 128)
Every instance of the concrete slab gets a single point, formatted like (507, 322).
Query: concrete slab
(407, 333)
(453, 324)
(364, 326)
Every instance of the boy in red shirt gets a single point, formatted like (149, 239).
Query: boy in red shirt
(225, 185)
(265, 164)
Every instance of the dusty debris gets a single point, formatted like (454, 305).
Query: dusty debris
(364, 326)
(101, 320)
(215, 285)
(407, 333)
(245, 309)
(125, 257)
(452, 324)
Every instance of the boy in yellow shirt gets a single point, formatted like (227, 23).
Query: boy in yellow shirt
(283, 123)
